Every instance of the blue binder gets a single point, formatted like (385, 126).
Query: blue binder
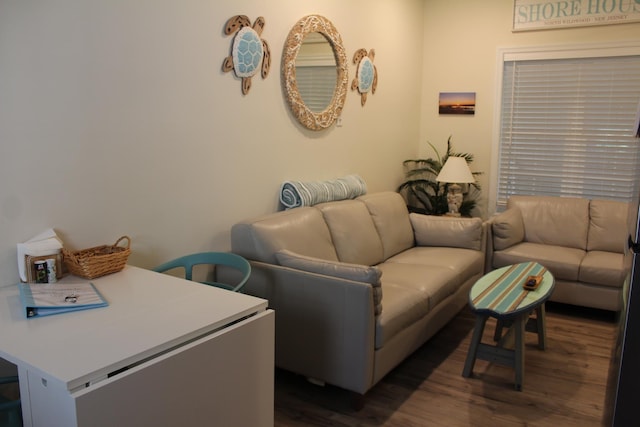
(42, 299)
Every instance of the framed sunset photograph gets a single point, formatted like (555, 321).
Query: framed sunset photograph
(457, 103)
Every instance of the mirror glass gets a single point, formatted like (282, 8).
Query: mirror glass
(313, 45)
(316, 72)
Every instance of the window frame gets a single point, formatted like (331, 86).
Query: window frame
(532, 53)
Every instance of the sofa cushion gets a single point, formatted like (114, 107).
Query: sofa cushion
(447, 231)
(391, 218)
(353, 233)
(464, 262)
(358, 273)
(608, 226)
(410, 292)
(563, 263)
(603, 268)
(259, 239)
(507, 229)
(560, 221)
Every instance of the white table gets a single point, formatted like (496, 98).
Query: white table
(165, 352)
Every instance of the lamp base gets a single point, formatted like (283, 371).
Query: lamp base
(454, 199)
(453, 214)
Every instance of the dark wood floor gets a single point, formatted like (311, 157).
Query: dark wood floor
(564, 385)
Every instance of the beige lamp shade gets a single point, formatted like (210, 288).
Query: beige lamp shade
(455, 170)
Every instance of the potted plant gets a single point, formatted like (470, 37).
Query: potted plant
(424, 194)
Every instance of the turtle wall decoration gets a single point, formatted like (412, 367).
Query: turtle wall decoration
(366, 79)
(248, 50)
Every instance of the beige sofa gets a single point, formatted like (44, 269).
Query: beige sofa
(580, 241)
(358, 285)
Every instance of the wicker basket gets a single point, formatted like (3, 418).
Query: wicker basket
(98, 261)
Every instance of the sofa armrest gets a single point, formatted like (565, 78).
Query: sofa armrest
(325, 326)
(456, 232)
(507, 229)
(337, 269)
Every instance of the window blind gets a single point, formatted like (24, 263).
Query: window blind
(567, 128)
(316, 85)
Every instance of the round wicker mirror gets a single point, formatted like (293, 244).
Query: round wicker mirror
(306, 116)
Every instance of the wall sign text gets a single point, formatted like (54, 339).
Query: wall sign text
(545, 14)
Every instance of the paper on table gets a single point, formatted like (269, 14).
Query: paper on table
(45, 243)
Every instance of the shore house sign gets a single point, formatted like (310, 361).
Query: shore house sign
(545, 14)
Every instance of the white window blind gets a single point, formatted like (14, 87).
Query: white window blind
(316, 85)
(568, 127)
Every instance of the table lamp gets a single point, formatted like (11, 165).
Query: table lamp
(455, 171)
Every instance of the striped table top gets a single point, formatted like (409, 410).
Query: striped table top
(500, 292)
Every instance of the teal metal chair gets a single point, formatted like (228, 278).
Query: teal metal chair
(215, 259)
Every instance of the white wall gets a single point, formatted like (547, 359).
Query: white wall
(115, 118)
(460, 55)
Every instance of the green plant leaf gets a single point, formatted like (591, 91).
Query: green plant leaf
(424, 194)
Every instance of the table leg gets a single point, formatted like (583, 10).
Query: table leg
(497, 334)
(473, 346)
(540, 321)
(519, 326)
(25, 402)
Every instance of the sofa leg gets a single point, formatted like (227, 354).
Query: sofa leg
(357, 401)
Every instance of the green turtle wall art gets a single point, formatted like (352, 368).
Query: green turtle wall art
(366, 74)
(248, 50)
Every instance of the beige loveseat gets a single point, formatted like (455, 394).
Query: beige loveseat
(580, 241)
(358, 285)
